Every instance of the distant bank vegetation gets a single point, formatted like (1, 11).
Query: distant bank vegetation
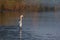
(18, 6)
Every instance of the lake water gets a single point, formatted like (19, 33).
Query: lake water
(41, 26)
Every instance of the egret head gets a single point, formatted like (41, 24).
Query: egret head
(21, 16)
